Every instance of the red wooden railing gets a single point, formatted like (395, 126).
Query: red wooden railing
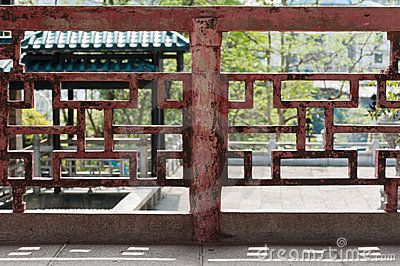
(205, 102)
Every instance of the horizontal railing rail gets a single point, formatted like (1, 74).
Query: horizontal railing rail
(204, 105)
(181, 18)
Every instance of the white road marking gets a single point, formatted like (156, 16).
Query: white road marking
(87, 259)
(315, 251)
(257, 254)
(138, 248)
(286, 260)
(79, 250)
(374, 254)
(29, 248)
(368, 248)
(127, 253)
(19, 253)
(258, 248)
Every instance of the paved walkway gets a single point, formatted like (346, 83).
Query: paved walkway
(289, 198)
(69, 254)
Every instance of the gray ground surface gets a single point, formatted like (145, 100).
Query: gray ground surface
(280, 199)
(69, 254)
(289, 198)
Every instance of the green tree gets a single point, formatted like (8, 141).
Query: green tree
(31, 118)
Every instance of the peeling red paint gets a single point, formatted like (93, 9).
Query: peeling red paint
(205, 101)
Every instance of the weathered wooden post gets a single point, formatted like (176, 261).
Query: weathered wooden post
(208, 142)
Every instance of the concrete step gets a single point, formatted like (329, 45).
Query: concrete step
(141, 198)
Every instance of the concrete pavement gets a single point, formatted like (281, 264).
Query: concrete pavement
(68, 254)
(289, 198)
(241, 199)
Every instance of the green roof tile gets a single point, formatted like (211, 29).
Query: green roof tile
(48, 42)
(51, 41)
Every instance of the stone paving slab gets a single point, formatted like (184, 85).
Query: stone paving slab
(289, 198)
(68, 254)
(27, 254)
(301, 255)
(307, 172)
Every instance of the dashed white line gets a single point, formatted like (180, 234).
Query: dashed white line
(87, 259)
(127, 253)
(138, 248)
(289, 260)
(322, 251)
(374, 254)
(256, 254)
(79, 250)
(368, 249)
(258, 248)
(19, 253)
(29, 248)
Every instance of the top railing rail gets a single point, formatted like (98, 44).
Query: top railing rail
(181, 18)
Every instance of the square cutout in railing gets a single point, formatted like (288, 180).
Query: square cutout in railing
(20, 166)
(388, 93)
(95, 91)
(279, 156)
(384, 158)
(173, 91)
(95, 168)
(170, 168)
(317, 90)
(392, 168)
(91, 81)
(241, 94)
(16, 91)
(174, 169)
(279, 82)
(111, 161)
(16, 169)
(236, 90)
(316, 168)
(20, 94)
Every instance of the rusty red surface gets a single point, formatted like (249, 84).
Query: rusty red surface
(208, 112)
(180, 18)
(204, 103)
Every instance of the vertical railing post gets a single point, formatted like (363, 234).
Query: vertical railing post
(391, 190)
(3, 130)
(18, 203)
(394, 38)
(208, 142)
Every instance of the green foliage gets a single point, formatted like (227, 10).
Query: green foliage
(32, 118)
(242, 51)
(262, 52)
